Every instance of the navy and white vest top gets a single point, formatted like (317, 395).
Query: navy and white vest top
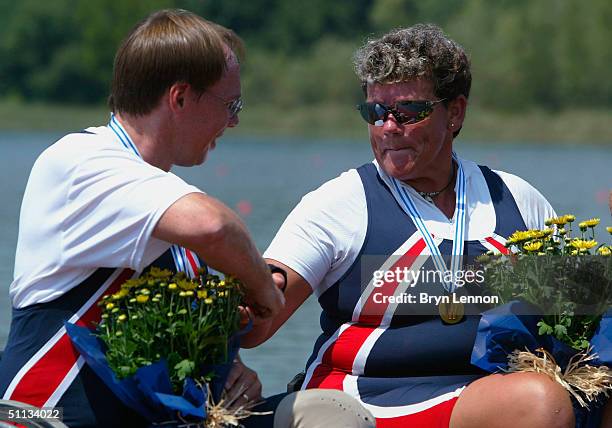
(410, 345)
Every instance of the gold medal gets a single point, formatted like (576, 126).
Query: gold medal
(451, 313)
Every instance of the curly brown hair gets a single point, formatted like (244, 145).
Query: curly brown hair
(422, 50)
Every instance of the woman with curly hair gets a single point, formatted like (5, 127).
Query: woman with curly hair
(417, 207)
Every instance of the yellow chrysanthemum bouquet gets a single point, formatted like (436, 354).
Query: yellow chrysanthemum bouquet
(188, 322)
(556, 287)
(165, 345)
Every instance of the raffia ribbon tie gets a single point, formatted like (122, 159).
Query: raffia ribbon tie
(583, 381)
(220, 415)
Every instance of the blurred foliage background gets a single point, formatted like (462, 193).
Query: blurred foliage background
(546, 60)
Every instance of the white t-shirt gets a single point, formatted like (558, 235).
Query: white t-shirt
(89, 203)
(322, 236)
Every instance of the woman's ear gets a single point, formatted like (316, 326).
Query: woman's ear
(456, 112)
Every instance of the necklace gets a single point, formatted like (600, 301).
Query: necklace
(428, 196)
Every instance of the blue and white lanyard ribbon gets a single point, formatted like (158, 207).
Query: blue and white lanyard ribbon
(178, 253)
(459, 233)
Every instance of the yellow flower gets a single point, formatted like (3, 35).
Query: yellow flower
(182, 294)
(559, 221)
(131, 283)
(119, 334)
(604, 251)
(591, 222)
(569, 218)
(582, 225)
(172, 286)
(537, 234)
(189, 293)
(142, 298)
(120, 294)
(110, 306)
(202, 294)
(222, 293)
(520, 236)
(483, 258)
(581, 244)
(609, 229)
(186, 285)
(533, 246)
(122, 317)
(208, 300)
(145, 291)
(182, 311)
(160, 273)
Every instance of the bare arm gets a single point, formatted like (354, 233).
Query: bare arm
(206, 226)
(296, 293)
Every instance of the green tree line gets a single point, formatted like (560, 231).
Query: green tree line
(544, 54)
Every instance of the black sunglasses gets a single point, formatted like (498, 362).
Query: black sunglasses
(404, 112)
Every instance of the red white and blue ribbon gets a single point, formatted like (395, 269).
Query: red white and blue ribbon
(184, 260)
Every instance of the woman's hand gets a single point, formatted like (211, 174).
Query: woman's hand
(242, 385)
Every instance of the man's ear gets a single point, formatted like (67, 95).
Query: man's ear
(176, 96)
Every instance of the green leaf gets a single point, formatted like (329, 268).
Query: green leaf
(184, 368)
(544, 328)
(560, 331)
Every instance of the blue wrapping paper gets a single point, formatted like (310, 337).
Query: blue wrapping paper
(602, 340)
(501, 331)
(149, 391)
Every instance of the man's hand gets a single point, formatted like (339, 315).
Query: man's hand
(206, 226)
(242, 385)
(263, 303)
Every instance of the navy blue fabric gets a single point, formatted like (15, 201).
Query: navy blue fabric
(507, 215)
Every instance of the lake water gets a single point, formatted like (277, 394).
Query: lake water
(263, 178)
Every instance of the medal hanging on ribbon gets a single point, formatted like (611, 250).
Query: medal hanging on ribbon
(451, 312)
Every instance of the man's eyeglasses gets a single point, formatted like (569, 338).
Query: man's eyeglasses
(404, 112)
(233, 106)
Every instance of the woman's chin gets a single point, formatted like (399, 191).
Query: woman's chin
(399, 163)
